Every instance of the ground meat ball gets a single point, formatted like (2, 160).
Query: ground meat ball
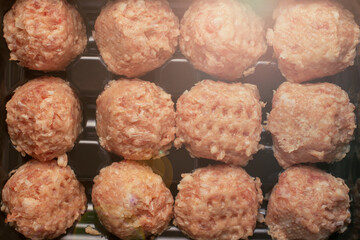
(310, 123)
(223, 38)
(218, 202)
(131, 201)
(313, 38)
(220, 121)
(135, 119)
(44, 118)
(42, 199)
(136, 36)
(44, 35)
(309, 203)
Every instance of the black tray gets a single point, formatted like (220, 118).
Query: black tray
(88, 76)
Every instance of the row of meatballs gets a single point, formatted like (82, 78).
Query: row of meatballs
(224, 38)
(222, 121)
(42, 200)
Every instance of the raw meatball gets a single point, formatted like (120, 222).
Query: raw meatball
(44, 35)
(223, 38)
(44, 118)
(135, 119)
(220, 121)
(309, 203)
(313, 38)
(218, 202)
(43, 199)
(310, 123)
(131, 201)
(136, 36)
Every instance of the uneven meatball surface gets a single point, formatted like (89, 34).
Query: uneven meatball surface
(136, 36)
(218, 202)
(223, 38)
(310, 123)
(313, 39)
(132, 201)
(307, 202)
(135, 119)
(44, 35)
(220, 121)
(44, 118)
(354, 7)
(43, 199)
